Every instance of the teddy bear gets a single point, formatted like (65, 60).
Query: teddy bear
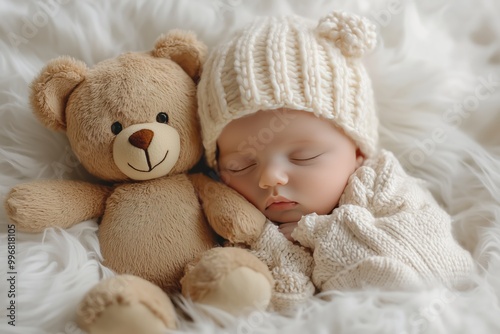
(132, 123)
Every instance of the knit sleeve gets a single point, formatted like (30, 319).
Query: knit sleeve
(387, 231)
(307, 230)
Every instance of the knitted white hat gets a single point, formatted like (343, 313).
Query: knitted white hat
(289, 62)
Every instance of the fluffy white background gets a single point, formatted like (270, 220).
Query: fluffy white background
(437, 115)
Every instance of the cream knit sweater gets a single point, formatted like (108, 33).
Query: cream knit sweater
(387, 231)
(291, 266)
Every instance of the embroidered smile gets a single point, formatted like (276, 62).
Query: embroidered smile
(149, 163)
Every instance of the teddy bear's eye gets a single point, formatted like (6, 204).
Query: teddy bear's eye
(162, 118)
(116, 128)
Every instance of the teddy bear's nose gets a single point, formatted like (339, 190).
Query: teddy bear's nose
(141, 138)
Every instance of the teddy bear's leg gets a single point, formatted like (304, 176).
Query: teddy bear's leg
(126, 305)
(231, 279)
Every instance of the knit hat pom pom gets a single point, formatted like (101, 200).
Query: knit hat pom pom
(353, 35)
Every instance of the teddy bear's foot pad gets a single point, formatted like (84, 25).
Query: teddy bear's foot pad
(240, 291)
(127, 319)
(126, 304)
(230, 279)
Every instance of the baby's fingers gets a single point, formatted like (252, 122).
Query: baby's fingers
(287, 229)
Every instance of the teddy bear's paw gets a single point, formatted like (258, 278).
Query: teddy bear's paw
(230, 279)
(27, 208)
(40, 204)
(127, 305)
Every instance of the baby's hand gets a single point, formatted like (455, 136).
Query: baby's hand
(287, 229)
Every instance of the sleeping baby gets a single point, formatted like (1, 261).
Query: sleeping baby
(289, 121)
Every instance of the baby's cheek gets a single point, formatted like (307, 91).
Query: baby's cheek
(225, 177)
(328, 193)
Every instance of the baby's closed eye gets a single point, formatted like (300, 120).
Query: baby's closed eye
(237, 169)
(306, 157)
(237, 165)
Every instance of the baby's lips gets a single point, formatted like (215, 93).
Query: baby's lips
(277, 199)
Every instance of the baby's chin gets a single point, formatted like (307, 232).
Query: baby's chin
(285, 217)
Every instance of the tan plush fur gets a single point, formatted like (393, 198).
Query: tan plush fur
(171, 232)
(151, 228)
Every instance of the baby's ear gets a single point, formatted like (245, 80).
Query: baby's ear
(360, 158)
(183, 48)
(51, 89)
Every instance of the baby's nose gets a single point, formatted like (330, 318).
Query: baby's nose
(273, 175)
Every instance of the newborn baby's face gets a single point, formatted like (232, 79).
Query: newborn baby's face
(288, 163)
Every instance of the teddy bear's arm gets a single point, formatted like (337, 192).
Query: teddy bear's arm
(229, 213)
(38, 205)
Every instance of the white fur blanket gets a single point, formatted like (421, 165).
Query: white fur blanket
(436, 73)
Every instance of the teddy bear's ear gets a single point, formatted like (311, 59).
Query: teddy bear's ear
(183, 48)
(51, 89)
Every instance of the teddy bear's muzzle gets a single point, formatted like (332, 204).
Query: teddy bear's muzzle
(146, 151)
